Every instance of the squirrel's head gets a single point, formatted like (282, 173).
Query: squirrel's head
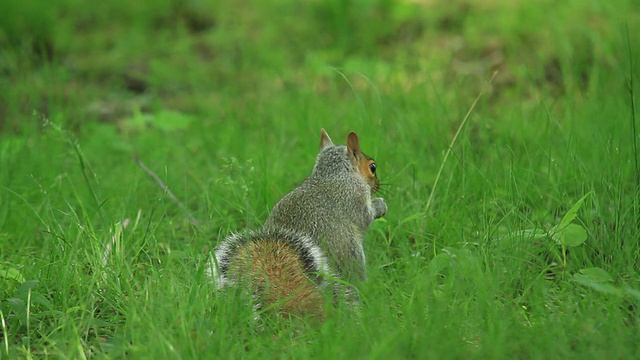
(361, 163)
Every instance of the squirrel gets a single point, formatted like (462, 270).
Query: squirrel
(313, 234)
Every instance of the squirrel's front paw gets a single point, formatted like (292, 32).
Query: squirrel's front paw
(379, 207)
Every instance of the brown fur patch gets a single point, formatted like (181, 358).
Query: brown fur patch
(364, 163)
(276, 272)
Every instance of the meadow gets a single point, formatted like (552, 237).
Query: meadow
(505, 134)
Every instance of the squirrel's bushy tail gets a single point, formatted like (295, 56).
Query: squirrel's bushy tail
(284, 272)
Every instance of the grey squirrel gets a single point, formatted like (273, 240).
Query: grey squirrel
(313, 234)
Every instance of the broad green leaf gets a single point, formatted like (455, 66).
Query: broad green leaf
(25, 287)
(11, 273)
(599, 280)
(171, 120)
(633, 292)
(41, 299)
(16, 304)
(438, 263)
(606, 288)
(570, 235)
(596, 274)
(572, 213)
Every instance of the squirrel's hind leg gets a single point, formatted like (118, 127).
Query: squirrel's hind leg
(275, 269)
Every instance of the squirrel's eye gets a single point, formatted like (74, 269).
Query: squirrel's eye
(372, 167)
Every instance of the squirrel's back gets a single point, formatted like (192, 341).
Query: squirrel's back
(316, 229)
(333, 206)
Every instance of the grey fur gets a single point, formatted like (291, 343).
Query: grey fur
(333, 207)
(325, 219)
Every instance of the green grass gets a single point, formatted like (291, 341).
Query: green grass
(225, 101)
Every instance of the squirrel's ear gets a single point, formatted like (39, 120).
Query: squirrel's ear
(353, 144)
(325, 140)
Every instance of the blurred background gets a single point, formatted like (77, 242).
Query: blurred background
(224, 101)
(103, 61)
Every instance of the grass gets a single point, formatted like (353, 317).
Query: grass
(224, 101)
